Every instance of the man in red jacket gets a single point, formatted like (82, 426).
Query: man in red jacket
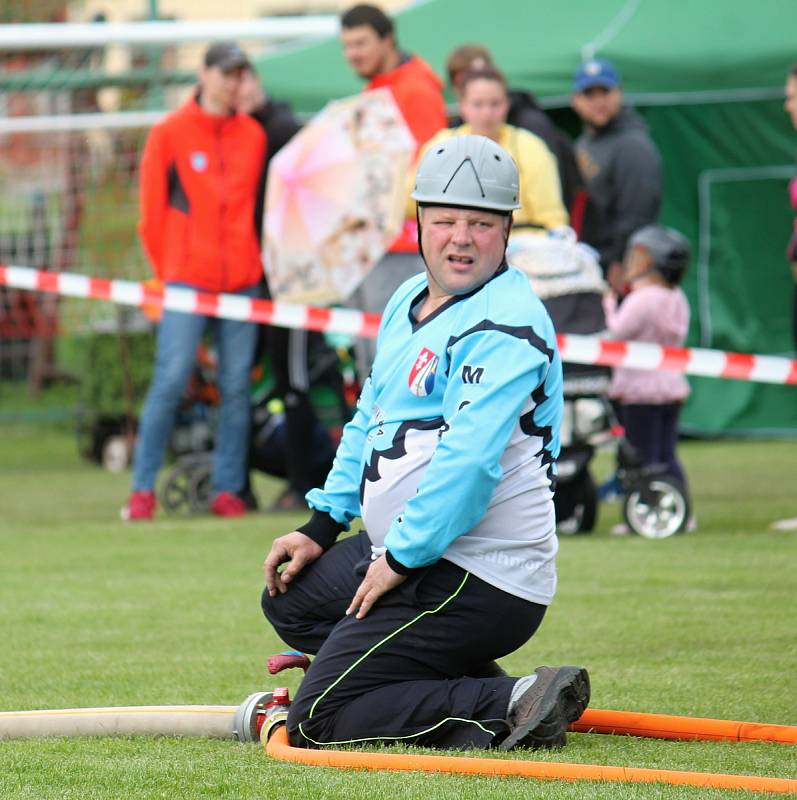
(369, 45)
(199, 179)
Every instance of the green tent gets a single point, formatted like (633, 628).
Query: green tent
(708, 78)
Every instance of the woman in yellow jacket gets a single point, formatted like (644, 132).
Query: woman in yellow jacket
(484, 104)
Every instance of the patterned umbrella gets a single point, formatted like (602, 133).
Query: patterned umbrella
(336, 198)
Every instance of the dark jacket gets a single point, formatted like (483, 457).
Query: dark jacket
(524, 112)
(276, 118)
(621, 168)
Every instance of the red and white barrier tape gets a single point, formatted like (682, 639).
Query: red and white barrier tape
(189, 301)
(574, 349)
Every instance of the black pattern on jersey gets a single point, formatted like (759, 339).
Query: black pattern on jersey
(530, 428)
(525, 332)
(397, 449)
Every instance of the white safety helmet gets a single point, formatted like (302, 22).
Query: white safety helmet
(470, 172)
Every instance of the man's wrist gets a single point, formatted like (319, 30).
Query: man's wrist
(322, 529)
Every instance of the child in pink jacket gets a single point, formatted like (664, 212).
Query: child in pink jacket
(656, 310)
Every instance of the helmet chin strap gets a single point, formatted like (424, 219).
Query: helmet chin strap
(418, 230)
(508, 231)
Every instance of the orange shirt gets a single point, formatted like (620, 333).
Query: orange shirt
(419, 94)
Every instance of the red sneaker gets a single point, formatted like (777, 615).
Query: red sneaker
(227, 504)
(140, 506)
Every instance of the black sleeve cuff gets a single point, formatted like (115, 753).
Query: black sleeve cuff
(322, 529)
(397, 566)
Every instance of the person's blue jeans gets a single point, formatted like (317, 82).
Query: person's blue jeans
(178, 337)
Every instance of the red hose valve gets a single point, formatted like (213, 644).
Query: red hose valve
(281, 697)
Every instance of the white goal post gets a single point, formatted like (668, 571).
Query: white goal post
(54, 36)
(68, 168)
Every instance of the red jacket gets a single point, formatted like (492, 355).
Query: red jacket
(199, 180)
(419, 94)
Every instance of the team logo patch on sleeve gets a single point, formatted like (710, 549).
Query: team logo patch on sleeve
(422, 374)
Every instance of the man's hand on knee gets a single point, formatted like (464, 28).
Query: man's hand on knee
(379, 579)
(296, 551)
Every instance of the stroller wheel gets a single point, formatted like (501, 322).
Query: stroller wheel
(174, 492)
(177, 491)
(200, 489)
(656, 508)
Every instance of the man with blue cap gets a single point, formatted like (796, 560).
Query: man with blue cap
(619, 162)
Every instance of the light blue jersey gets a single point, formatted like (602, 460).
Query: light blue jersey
(451, 453)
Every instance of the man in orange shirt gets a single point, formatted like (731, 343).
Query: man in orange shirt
(369, 45)
(199, 181)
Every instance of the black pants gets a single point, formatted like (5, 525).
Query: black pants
(418, 668)
(653, 431)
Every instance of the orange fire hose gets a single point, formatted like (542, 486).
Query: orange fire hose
(665, 726)
(598, 721)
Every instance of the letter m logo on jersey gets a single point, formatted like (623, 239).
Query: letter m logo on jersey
(422, 374)
(472, 374)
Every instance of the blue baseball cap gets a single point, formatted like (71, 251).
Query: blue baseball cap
(595, 72)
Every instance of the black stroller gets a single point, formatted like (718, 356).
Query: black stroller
(333, 391)
(654, 503)
(567, 278)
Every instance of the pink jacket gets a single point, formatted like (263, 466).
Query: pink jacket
(649, 314)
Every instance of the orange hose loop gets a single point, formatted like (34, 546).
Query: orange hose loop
(279, 748)
(665, 726)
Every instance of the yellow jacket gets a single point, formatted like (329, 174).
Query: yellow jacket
(540, 190)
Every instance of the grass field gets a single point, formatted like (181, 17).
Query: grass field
(94, 612)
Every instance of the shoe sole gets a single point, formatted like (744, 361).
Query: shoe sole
(565, 699)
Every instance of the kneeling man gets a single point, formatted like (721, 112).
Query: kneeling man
(450, 462)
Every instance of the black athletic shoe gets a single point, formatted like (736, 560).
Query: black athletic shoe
(540, 716)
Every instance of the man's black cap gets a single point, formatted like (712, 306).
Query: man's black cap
(227, 56)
